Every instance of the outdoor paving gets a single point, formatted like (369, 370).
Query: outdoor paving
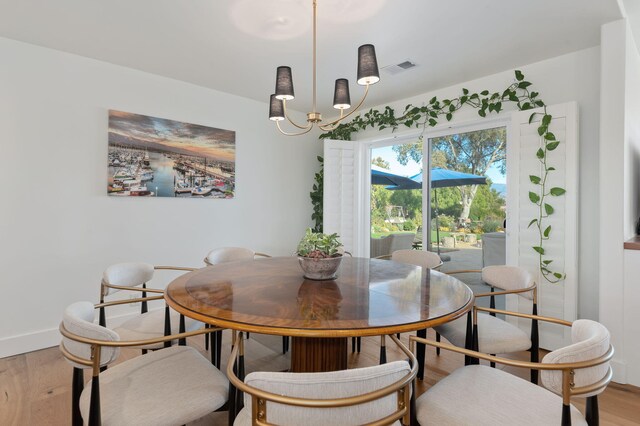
(469, 258)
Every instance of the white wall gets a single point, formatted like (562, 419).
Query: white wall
(619, 174)
(571, 77)
(59, 229)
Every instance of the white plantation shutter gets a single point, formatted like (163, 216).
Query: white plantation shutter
(341, 192)
(556, 300)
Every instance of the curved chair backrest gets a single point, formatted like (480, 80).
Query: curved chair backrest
(78, 319)
(335, 384)
(590, 340)
(131, 274)
(425, 259)
(228, 254)
(509, 278)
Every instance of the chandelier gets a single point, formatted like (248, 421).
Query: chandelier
(368, 74)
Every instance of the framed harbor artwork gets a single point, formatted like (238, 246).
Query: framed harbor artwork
(156, 157)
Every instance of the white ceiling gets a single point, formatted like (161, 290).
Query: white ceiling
(197, 40)
(632, 12)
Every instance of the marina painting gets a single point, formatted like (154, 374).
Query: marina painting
(156, 157)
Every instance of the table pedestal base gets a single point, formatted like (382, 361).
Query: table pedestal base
(312, 355)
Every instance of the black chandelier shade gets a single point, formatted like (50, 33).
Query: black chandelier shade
(284, 84)
(276, 109)
(341, 97)
(367, 65)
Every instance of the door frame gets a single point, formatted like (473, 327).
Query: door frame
(364, 146)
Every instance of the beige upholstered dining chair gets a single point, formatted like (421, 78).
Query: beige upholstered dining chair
(373, 395)
(225, 255)
(133, 277)
(424, 259)
(231, 254)
(171, 386)
(493, 335)
(481, 395)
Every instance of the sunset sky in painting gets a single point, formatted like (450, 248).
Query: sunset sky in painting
(198, 140)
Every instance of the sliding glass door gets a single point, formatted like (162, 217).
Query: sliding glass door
(467, 207)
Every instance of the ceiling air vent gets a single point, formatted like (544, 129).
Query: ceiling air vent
(398, 68)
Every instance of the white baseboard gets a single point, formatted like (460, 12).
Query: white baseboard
(15, 345)
(619, 372)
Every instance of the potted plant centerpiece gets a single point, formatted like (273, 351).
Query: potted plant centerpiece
(319, 255)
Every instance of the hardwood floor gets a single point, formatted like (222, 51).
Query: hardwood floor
(35, 388)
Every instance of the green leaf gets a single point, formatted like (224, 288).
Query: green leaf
(534, 94)
(547, 262)
(552, 145)
(449, 116)
(532, 222)
(540, 153)
(542, 129)
(433, 100)
(539, 103)
(482, 113)
(523, 85)
(557, 191)
(532, 116)
(465, 91)
(526, 106)
(547, 231)
(558, 275)
(538, 249)
(519, 75)
(548, 209)
(546, 119)
(535, 179)
(550, 169)
(484, 92)
(513, 97)
(534, 197)
(550, 136)
(432, 122)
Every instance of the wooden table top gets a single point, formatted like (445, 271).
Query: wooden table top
(369, 297)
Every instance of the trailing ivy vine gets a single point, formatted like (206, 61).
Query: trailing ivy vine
(485, 102)
(316, 197)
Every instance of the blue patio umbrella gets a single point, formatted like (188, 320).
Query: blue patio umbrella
(380, 176)
(442, 178)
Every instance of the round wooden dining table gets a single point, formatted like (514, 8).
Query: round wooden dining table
(369, 297)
